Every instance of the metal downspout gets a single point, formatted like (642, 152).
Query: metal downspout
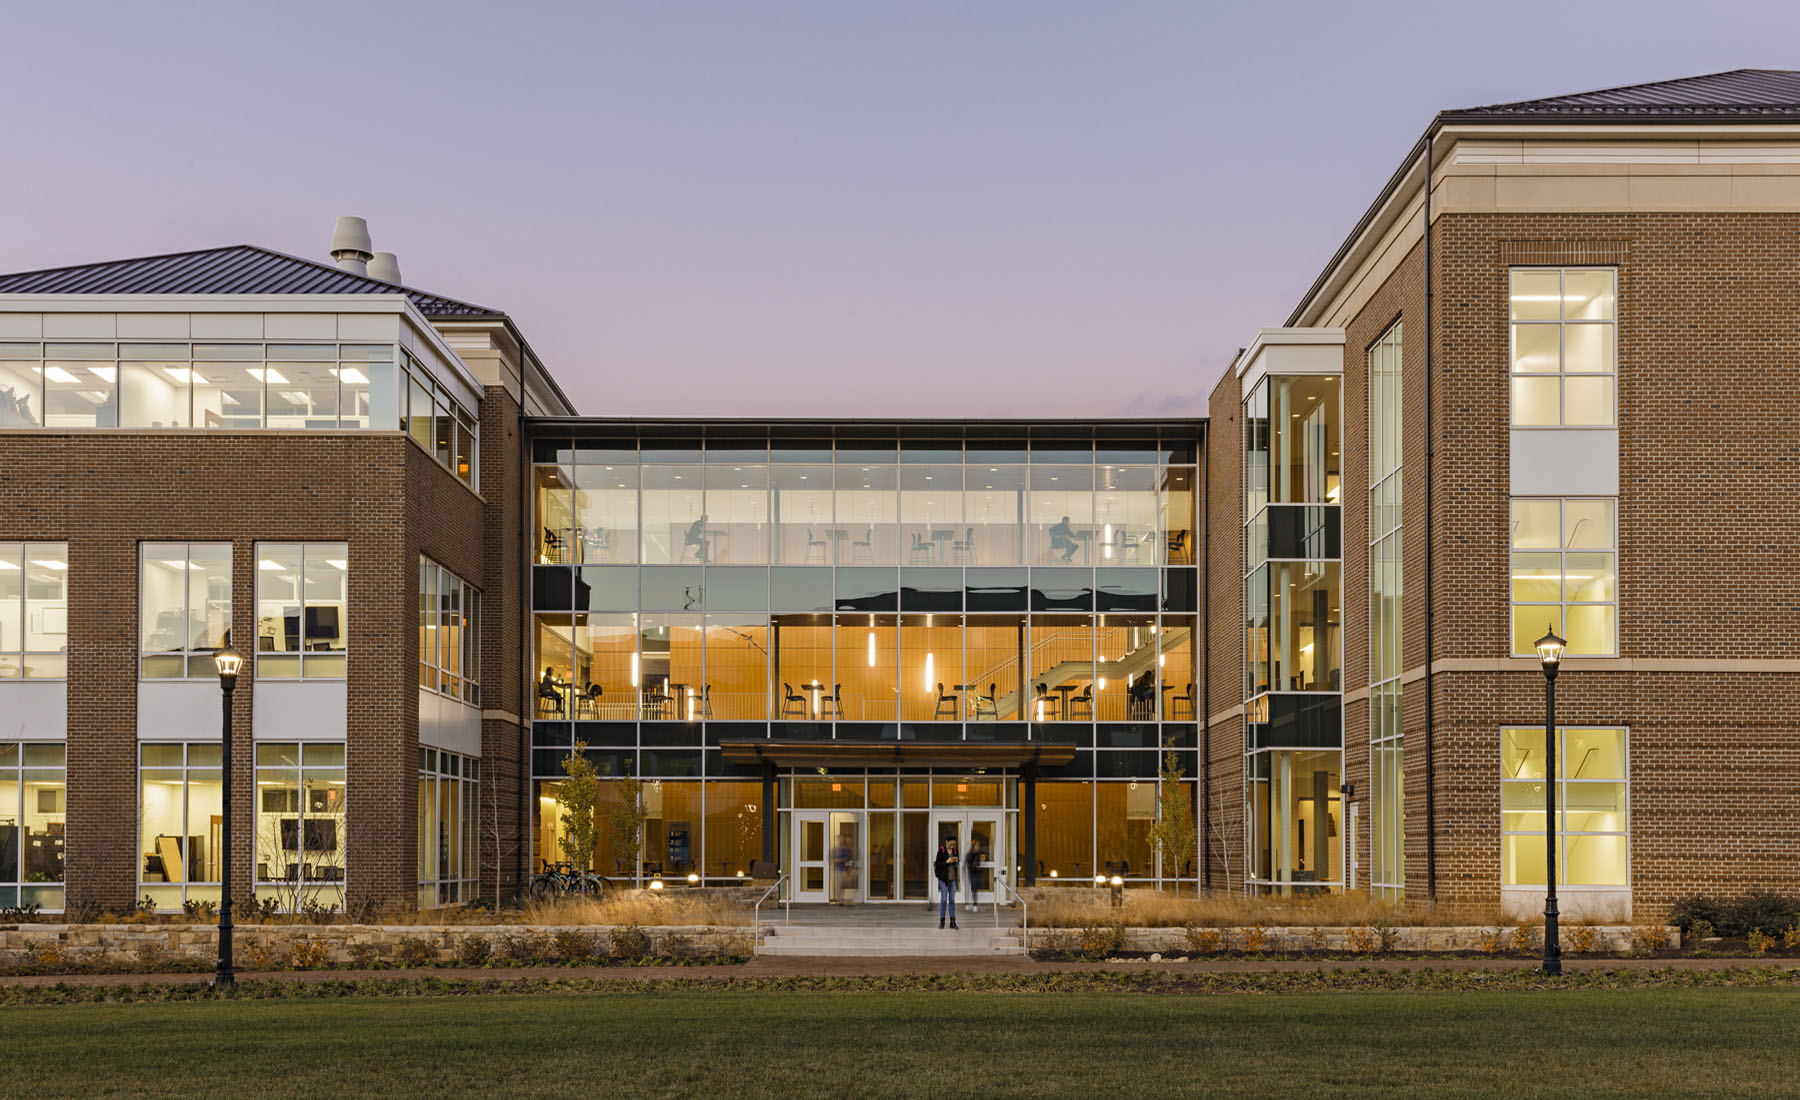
(1430, 452)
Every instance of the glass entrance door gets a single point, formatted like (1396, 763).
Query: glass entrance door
(972, 830)
(828, 856)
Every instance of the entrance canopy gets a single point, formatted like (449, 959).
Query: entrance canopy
(887, 754)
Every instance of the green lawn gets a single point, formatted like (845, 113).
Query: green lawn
(720, 1044)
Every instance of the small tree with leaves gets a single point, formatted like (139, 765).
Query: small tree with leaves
(579, 795)
(1173, 833)
(627, 815)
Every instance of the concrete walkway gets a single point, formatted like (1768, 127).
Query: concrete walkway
(785, 967)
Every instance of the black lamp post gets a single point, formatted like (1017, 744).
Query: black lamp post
(1550, 653)
(228, 661)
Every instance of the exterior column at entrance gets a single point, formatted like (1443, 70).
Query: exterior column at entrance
(1028, 824)
(768, 812)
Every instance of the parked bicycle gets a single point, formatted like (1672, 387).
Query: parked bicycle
(560, 879)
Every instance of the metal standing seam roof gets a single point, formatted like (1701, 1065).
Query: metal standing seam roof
(1737, 95)
(235, 269)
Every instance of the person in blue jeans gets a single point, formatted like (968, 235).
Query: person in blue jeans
(946, 868)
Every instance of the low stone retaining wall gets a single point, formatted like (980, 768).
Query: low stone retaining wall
(274, 946)
(1357, 940)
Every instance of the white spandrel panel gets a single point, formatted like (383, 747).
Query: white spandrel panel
(34, 710)
(180, 710)
(1565, 462)
(445, 723)
(300, 710)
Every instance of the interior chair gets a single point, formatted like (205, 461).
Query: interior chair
(549, 699)
(1182, 701)
(815, 548)
(834, 703)
(946, 704)
(1130, 548)
(591, 699)
(962, 551)
(1082, 706)
(706, 701)
(1178, 548)
(554, 547)
(922, 551)
(863, 549)
(987, 705)
(1045, 701)
(792, 705)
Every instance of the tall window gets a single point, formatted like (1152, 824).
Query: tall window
(1564, 573)
(302, 597)
(1592, 807)
(184, 607)
(34, 610)
(1564, 346)
(449, 819)
(437, 421)
(33, 810)
(300, 842)
(180, 817)
(449, 634)
(1387, 870)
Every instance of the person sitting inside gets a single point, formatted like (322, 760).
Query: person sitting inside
(548, 691)
(1062, 537)
(696, 537)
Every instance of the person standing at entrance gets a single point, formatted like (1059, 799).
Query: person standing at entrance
(946, 867)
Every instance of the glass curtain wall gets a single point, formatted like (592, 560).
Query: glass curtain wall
(864, 590)
(1293, 616)
(1387, 814)
(449, 827)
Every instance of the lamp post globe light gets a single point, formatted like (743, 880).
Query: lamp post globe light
(1550, 650)
(228, 661)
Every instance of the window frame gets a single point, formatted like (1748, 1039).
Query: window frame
(208, 671)
(21, 889)
(1562, 550)
(187, 889)
(462, 774)
(1563, 782)
(460, 676)
(330, 552)
(28, 556)
(1562, 373)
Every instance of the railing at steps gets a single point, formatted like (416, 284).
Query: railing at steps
(1024, 909)
(787, 904)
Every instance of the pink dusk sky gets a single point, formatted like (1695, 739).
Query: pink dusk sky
(992, 209)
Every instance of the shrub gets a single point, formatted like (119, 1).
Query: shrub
(1388, 934)
(415, 951)
(199, 910)
(1700, 930)
(526, 949)
(1097, 941)
(1256, 939)
(1362, 941)
(364, 956)
(150, 955)
(1757, 910)
(579, 947)
(1523, 940)
(1493, 942)
(1759, 941)
(1206, 941)
(474, 950)
(1790, 937)
(258, 955)
(18, 914)
(1648, 939)
(308, 954)
(1686, 912)
(1583, 938)
(628, 941)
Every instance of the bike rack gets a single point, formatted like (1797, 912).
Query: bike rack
(787, 904)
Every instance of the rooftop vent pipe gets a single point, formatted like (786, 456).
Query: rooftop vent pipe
(386, 267)
(350, 245)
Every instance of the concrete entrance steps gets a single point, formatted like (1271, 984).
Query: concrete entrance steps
(902, 931)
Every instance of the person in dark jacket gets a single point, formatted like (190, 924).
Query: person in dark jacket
(945, 866)
(972, 862)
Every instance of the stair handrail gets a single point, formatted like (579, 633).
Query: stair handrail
(1024, 909)
(756, 914)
